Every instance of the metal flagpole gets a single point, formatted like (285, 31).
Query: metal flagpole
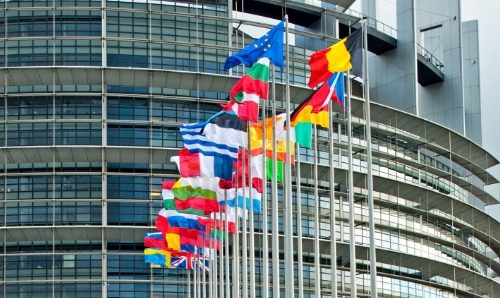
(288, 247)
(333, 241)
(213, 260)
(299, 224)
(210, 268)
(189, 283)
(244, 248)
(194, 278)
(265, 244)
(202, 271)
(221, 256)
(236, 247)
(371, 224)
(251, 223)
(274, 203)
(317, 268)
(226, 242)
(352, 231)
(196, 290)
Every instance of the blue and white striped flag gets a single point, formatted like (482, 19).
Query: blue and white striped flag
(221, 135)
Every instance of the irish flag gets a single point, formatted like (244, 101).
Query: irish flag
(247, 92)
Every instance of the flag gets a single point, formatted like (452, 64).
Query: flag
(182, 262)
(199, 193)
(280, 166)
(219, 222)
(246, 93)
(176, 219)
(169, 202)
(194, 164)
(157, 256)
(280, 144)
(244, 194)
(221, 135)
(269, 45)
(314, 109)
(155, 240)
(256, 170)
(342, 56)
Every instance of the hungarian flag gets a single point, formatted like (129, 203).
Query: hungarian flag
(314, 109)
(195, 164)
(340, 57)
(246, 93)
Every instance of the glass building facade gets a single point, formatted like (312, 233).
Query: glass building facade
(93, 94)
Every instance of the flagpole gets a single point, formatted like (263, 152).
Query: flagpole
(289, 287)
(317, 256)
(189, 283)
(221, 256)
(366, 89)
(333, 225)
(251, 223)
(265, 244)
(195, 278)
(236, 248)
(226, 255)
(274, 203)
(213, 261)
(299, 225)
(352, 231)
(244, 248)
(204, 292)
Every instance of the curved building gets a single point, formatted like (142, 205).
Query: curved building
(93, 93)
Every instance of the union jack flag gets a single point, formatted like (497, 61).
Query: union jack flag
(182, 262)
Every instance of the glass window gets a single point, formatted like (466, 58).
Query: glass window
(128, 108)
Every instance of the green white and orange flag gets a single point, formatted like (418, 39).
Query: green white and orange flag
(246, 94)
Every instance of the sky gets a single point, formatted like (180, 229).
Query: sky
(485, 11)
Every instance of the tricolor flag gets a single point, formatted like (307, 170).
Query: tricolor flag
(221, 135)
(195, 164)
(314, 109)
(246, 94)
(175, 219)
(199, 193)
(341, 56)
(169, 202)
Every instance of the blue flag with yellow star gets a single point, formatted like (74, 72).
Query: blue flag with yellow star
(270, 45)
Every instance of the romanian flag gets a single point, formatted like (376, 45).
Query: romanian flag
(314, 109)
(341, 56)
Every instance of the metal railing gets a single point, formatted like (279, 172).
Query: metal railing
(429, 57)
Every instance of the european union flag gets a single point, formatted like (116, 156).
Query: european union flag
(270, 45)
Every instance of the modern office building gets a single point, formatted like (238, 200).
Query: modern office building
(93, 93)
